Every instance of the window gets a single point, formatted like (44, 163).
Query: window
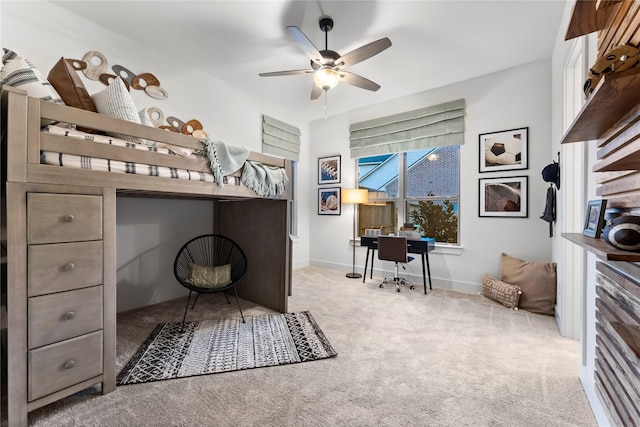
(421, 188)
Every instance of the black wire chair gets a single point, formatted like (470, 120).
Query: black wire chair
(210, 250)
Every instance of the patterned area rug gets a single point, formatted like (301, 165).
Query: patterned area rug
(213, 346)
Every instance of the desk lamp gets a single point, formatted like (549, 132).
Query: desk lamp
(355, 197)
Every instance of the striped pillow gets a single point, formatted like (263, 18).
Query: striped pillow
(502, 292)
(115, 101)
(18, 72)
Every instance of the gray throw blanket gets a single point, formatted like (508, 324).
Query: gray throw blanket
(225, 159)
(265, 180)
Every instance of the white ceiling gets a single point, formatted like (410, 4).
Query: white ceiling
(434, 43)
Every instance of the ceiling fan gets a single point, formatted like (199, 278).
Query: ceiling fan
(328, 66)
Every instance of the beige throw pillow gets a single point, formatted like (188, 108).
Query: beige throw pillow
(536, 279)
(209, 277)
(502, 292)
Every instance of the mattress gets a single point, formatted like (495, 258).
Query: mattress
(118, 166)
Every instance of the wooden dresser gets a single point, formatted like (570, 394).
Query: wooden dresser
(66, 239)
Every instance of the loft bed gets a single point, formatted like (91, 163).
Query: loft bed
(27, 116)
(59, 195)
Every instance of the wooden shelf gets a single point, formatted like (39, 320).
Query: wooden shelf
(614, 96)
(601, 248)
(589, 16)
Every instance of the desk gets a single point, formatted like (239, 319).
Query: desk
(422, 247)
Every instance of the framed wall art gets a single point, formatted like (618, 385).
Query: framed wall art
(329, 170)
(594, 219)
(504, 150)
(329, 201)
(504, 197)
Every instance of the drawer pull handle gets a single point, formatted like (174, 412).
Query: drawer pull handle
(69, 315)
(69, 218)
(69, 364)
(69, 266)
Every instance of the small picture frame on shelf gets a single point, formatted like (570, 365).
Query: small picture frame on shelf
(504, 150)
(594, 219)
(329, 201)
(329, 170)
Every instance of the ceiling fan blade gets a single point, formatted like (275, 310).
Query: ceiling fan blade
(306, 45)
(358, 81)
(363, 52)
(285, 73)
(316, 91)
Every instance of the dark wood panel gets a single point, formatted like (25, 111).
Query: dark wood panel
(627, 120)
(617, 373)
(260, 229)
(624, 363)
(603, 177)
(623, 274)
(614, 400)
(586, 18)
(621, 134)
(619, 302)
(625, 201)
(615, 27)
(633, 18)
(627, 183)
(605, 399)
(627, 157)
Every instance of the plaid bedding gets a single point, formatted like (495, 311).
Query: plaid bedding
(106, 165)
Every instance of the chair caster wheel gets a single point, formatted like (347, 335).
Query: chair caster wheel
(397, 290)
(381, 286)
(412, 287)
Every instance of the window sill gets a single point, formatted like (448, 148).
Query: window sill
(448, 249)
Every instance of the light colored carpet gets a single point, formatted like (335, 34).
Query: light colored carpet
(442, 359)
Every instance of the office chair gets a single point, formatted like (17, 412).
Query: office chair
(394, 249)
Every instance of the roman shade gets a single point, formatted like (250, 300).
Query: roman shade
(280, 139)
(428, 127)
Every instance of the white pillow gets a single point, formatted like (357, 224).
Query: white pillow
(116, 101)
(18, 72)
(146, 121)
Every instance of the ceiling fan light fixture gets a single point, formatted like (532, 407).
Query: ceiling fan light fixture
(326, 78)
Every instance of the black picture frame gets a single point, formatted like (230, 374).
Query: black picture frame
(594, 218)
(505, 150)
(504, 197)
(329, 170)
(329, 201)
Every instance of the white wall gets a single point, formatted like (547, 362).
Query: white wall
(519, 97)
(43, 32)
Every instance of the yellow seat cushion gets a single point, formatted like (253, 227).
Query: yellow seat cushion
(209, 277)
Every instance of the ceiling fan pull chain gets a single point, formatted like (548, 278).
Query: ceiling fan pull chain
(325, 104)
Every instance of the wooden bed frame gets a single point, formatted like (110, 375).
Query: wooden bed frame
(39, 218)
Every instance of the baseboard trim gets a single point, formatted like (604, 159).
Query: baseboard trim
(413, 277)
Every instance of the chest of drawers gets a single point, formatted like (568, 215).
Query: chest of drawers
(65, 272)
(61, 293)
